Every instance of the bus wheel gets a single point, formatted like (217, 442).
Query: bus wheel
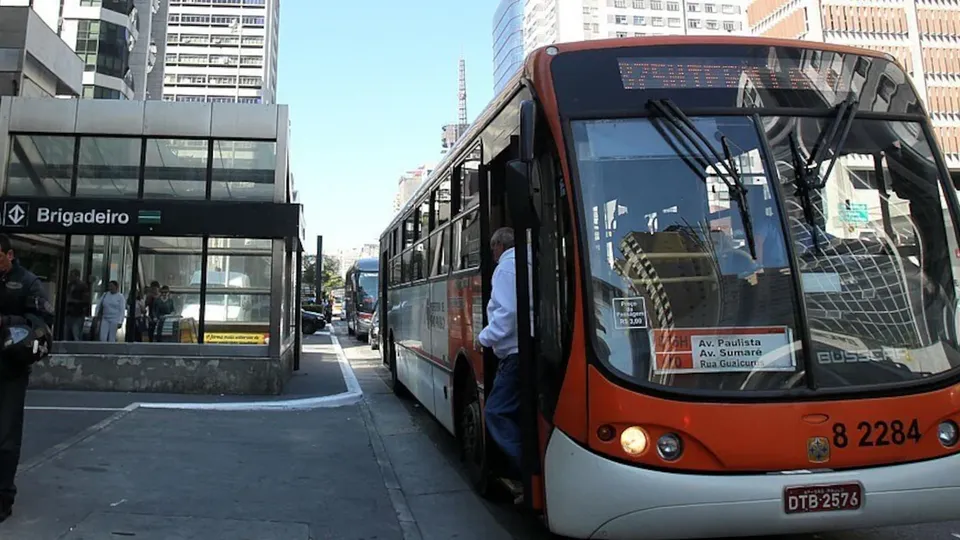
(471, 439)
(399, 389)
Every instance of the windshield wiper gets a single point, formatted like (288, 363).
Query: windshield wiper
(807, 177)
(685, 132)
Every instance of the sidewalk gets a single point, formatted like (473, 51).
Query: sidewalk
(359, 471)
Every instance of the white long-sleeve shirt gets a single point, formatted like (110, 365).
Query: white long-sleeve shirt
(500, 333)
(113, 306)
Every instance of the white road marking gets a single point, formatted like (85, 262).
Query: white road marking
(353, 394)
(956, 535)
(96, 409)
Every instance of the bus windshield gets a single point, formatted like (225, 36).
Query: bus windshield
(681, 300)
(366, 291)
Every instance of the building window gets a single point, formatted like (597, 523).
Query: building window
(656, 5)
(730, 9)
(243, 170)
(639, 4)
(673, 22)
(108, 167)
(694, 23)
(120, 6)
(712, 25)
(103, 47)
(710, 8)
(639, 20)
(731, 26)
(673, 6)
(620, 3)
(237, 303)
(621, 19)
(693, 8)
(175, 169)
(40, 166)
(656, 21)
(621, 34)
(92, 91)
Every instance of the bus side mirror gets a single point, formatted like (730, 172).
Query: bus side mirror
(528, 121)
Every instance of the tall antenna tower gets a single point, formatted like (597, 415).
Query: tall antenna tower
(462, 99)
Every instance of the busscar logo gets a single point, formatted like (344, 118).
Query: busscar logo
(67, 218)
(16, 214)
(818, 449)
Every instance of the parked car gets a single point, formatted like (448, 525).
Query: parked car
(311, 322)
(375, 327)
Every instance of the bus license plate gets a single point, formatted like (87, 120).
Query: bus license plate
(822, 498)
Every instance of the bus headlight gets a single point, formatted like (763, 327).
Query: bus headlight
(669, 447)
(947, 433)
(633, 440)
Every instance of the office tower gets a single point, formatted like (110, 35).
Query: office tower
(114, 38)
(521, 26)
(222, 51)
(919, 35)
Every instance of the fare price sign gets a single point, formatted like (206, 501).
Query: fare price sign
(722, 350)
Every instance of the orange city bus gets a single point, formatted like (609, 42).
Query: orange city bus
(743, 274)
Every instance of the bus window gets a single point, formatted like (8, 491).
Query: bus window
(424, 217)
(417, 262)
(407, 266)
(466, 240)
(438, 254)
(409, 232)
(441, 204)
(470, 184)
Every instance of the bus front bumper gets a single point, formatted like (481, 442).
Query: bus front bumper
(590, 496)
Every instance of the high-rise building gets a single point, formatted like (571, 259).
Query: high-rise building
(114, 38)
(543, 22)
(921, 35)
(507, 41)
(408, 184)
(222, 51)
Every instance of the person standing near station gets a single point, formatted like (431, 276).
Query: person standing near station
(111, 312)
(24, 302)
(502, 407)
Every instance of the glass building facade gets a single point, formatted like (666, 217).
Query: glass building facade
(199, 234)
(507, 42)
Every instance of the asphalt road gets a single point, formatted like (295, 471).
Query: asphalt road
(524, 528)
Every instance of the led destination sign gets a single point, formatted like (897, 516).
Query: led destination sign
(686, 73)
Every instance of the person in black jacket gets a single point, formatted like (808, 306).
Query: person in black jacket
(23, 303)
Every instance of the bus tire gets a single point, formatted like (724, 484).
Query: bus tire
(471, 438)
(399, 389)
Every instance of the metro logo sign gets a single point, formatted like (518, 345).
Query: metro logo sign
(16, 214)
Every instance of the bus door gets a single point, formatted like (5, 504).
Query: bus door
(523, 215)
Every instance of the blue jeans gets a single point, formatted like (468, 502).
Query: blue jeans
(502, 409)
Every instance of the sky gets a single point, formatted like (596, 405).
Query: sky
(370, 85)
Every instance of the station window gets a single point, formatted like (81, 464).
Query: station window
(237, 298)
(109, 167)
(40, 166)
(243, 170)
(175, 168)
(169, 275)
